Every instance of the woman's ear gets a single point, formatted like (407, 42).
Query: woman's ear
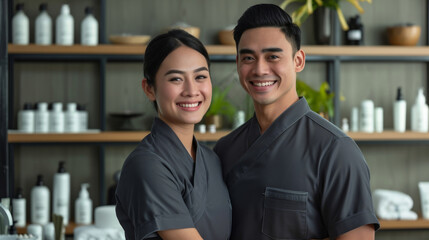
(148, 89)
(299, 60)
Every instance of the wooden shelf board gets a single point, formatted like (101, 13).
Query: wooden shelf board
(136, 136)
(389, 136)
(114, 137)
(69, 229)
(104, 49)
(404, 224)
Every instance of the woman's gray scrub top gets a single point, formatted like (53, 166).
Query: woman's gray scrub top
(162, 187)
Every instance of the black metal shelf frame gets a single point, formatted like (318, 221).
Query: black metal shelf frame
(333, 66)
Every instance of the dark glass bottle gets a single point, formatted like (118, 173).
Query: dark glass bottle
(354, 36)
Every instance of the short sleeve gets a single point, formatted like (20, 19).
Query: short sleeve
(345, 188)
(149, 194)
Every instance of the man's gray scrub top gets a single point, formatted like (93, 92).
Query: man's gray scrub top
(161, 187)
(303, 178)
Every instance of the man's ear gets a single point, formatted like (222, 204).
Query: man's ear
(148, 89)
(299, 60)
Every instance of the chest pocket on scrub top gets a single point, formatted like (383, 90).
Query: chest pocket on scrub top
(285, 214)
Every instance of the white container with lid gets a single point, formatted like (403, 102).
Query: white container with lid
(41, 118)
(72, 118)
(43, 27)
(89, 29)
(64, 30)
(20, 26)
(56, 118)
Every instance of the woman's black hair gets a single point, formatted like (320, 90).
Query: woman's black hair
(268, 15)
(162, 45)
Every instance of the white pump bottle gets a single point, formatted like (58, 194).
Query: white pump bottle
(83, 206)
(419, 114)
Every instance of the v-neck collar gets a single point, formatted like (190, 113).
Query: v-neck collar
(163, 134)
(258, 143)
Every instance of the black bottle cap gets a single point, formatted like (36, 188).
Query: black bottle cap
(39, 180)
(19, 6)
(19, 193)
(61, 168)
(43, 7)
(28, 106)
(12, 229)
(88, 10)
(399, 94)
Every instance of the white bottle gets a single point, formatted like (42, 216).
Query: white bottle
(61, 193)
(19, 209)
(40, 202)
(41, 118)
(56, 118)
(83, 206)
(354, 119)
(399, 112)
(43, 27)
(345, 125)
(419, 113)
(26, 119)
(64, 30)
(72, 118)
(83, 118)
(20, 27)
(89, 29)
(367, 116)
(378, 119)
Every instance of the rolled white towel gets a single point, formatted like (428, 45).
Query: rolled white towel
(408, 215)
(389, 204)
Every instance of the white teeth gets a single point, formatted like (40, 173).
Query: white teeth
(189, 105)
(263, 84)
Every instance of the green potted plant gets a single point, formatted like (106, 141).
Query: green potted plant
(321, 101)
(307, 8)
(220, 107)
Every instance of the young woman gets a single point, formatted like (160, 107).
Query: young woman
(171, 187)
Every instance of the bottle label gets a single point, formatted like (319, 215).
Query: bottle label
(355, 34)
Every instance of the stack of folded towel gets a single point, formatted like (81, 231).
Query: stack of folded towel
(393, 205)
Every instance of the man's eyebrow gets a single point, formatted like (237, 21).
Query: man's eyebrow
(272, 50)
(246, 51)
(249, 51)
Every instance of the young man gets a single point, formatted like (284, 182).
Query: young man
(290, 173)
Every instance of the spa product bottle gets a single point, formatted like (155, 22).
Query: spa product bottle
(399, 112)
(354, 119)
(367, 116)
(41, 116)
(61, 193)
(71, 118)
(64, 31)
(43, 27)
(378, 119)
(40, 202)
(26, 119)
(89, 29)
(20, 26)
(83, 206)
(419, 113)
(56, 118)
(354, 36)
(19, 209)
(83, 118)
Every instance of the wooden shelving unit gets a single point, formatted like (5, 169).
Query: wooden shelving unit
(404, 224)
(136, 136)
(109, 49)
(419, 224)
(103, 137)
